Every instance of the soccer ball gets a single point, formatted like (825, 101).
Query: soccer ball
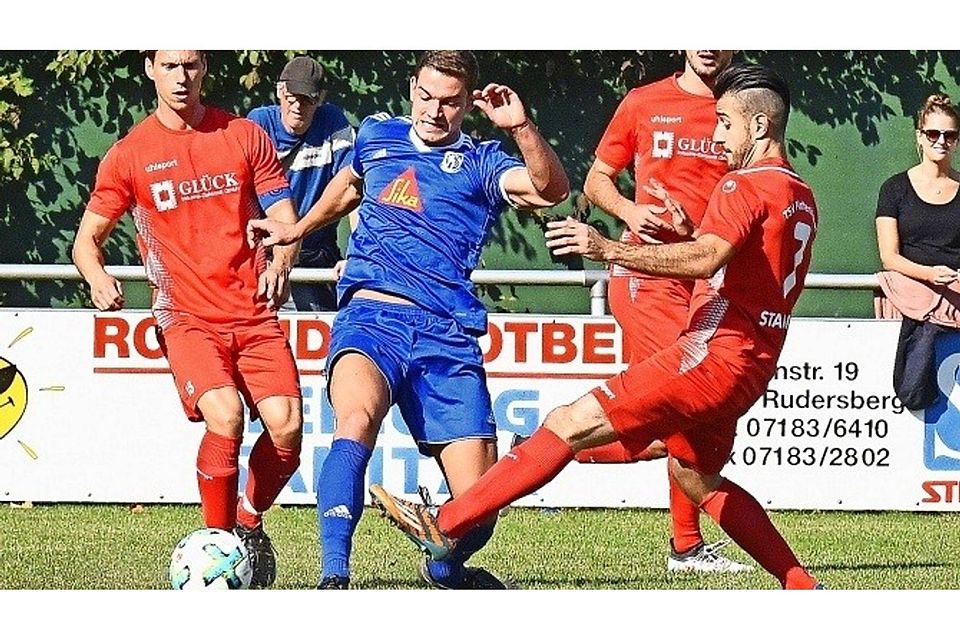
(210, 559)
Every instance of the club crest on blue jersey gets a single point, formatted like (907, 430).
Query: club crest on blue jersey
(452, 161)
(403, 192)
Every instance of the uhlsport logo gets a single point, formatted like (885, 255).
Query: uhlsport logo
(941, 441)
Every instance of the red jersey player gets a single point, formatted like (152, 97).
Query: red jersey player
(192, 176)
(665, 130)
(750, 258)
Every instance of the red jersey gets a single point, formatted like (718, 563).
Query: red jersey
(667, 134)
(191, 194)
(768, 213)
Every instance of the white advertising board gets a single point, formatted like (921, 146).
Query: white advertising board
(98, 419)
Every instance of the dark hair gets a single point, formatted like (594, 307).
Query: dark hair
(151, 55)
(937, 103)
(771, 95)
(459, 64)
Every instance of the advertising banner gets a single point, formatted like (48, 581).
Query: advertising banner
(89, 413)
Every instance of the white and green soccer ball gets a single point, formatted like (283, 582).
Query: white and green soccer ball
(210, 559)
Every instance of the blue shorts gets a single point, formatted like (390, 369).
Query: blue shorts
(433, 368)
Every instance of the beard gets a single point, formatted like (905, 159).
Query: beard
(707, 72)
(740, 157)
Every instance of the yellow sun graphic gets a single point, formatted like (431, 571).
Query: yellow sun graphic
(15, 395)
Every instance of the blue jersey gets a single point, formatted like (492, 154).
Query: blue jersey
(310, 161)
(424, 217)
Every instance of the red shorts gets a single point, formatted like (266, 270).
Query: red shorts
(651, 312)
(695, 413)
(257, 360)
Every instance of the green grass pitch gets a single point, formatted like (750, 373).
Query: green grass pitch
(116, 547)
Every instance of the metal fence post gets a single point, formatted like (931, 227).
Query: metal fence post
(598, 298)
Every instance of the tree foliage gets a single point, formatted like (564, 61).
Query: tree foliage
(60, 111)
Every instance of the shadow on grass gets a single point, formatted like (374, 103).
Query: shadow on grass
(389, 583)
(871, 567)
(593, 583)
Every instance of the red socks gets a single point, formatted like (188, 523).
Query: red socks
(217, 476)
(684, 517)
(520, 472)
(269, 468)
(741, 516)
(613, 453)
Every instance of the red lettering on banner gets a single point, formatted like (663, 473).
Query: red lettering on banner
(140, 339)
(285, 327)
(496, 343)
(592, 343)
(558, 346)
(520, 331)
(304, 327)
(946, 495)
(112, 331)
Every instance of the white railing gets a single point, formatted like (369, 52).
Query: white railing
(595, 279)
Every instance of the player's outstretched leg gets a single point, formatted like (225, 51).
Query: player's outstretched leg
(526, 469)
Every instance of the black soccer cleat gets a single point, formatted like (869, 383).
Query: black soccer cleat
(473, 578)
(334, 582)
(261, 555)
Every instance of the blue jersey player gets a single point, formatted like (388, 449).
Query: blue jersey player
(409, 321)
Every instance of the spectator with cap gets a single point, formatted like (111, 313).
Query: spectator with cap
(314, 141)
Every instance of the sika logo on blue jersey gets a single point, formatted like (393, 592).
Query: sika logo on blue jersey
(941, 441)
(403, 191)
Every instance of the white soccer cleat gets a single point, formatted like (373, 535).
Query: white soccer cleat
(705, 559)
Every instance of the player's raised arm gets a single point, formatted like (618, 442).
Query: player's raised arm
(106, 292)
(544, 183)
(339, 198)
(701, 258)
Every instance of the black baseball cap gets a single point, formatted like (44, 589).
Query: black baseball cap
(304, 77)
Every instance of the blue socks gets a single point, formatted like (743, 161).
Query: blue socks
(340, 488)
(340, 503)
(449, 571)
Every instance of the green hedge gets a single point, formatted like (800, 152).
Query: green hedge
(851, 128)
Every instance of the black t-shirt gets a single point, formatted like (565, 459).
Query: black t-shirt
(929, 233)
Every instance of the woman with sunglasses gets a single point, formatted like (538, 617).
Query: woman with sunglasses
(918, 212)
(918, 234)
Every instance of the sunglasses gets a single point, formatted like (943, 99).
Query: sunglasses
(932, 135)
